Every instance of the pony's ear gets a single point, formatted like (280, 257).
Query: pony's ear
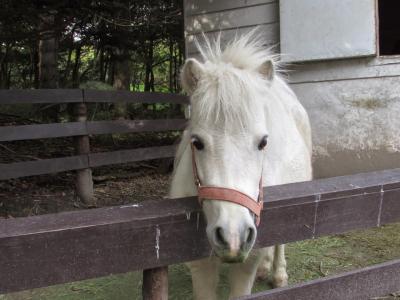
(267, 70)
(190, 75)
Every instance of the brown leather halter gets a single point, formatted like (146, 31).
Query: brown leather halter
(227, 194)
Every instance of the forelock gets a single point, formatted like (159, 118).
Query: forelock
(228, 93)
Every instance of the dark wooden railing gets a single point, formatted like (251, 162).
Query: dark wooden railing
(85, 160)
(367, 283)
(58, 248)
(37, 251)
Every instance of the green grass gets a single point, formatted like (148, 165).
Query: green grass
(306, 260)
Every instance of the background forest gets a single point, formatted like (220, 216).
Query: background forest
(134, 45)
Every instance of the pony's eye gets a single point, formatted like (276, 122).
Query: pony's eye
(197, 143)
(263, 143)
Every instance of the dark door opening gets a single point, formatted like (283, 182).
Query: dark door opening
(389, 27)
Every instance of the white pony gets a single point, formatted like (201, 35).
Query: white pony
(245, 121)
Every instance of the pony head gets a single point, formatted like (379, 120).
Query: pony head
(229, 133)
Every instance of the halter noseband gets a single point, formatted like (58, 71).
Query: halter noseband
(227, 194)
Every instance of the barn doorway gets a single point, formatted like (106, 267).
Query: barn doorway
(389, 27)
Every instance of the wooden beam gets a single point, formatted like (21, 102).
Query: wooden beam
(130, 126)
(55, 130)
(155, 284)
(41, 131)
(134, 97)
(79, 95)
(83, 180)
(56, 248)
(83, 161)
(41, 96)
(132, 155)
(367, 283)
(43, 166)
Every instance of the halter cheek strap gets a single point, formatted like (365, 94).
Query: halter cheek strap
(227, 194)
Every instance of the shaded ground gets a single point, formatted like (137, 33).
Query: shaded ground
(54, 193)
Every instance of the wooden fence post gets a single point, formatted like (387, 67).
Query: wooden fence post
(155, 284)
(84, 180)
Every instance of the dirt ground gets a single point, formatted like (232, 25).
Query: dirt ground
(55, 193)
(113, 185)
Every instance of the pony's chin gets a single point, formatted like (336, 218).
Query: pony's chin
(227, 257)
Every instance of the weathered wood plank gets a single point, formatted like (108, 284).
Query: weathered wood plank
(123, 156)
(269, 31)
(247, 16)
(78, 162)
(41, 131)
(76, 95)
(367, 283)
(54, 130)
(43, 166)
(133, 97)
(155, 284)
(77, 245)
(345, 69)
(126, 126)
(195, 7)
(40, 96)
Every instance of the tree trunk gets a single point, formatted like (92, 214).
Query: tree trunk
(75, 71)
(48, 74)
(111, 69)
(171, 73)
(4, 67)
(65, 77)
(35, 68)
(122, 79)
(149, 67)
(101, 66)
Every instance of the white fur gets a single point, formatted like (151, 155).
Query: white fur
(236, 99)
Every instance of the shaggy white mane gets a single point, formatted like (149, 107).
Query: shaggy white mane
(228, 92)
(247, 51)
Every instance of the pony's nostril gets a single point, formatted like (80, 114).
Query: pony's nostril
(219, 236)
(250, 235)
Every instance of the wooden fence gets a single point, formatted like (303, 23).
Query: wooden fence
(84, 160)
(58, 248)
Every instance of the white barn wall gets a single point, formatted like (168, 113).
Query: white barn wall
(354, 68)
(354, 104)
(355, 124)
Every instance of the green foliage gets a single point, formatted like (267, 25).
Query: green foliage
(96, 85)
(92, 36)
(135, 45)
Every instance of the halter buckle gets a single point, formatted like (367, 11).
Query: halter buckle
(197, 182)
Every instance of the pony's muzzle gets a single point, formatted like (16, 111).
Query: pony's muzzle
(233, 246)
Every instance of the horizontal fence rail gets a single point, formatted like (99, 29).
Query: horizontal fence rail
(87, 96)
(83, 128)
(133, 97)
(77, 162)
(55, 130)
(41, 96)
(366, 283)
(50, 249)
